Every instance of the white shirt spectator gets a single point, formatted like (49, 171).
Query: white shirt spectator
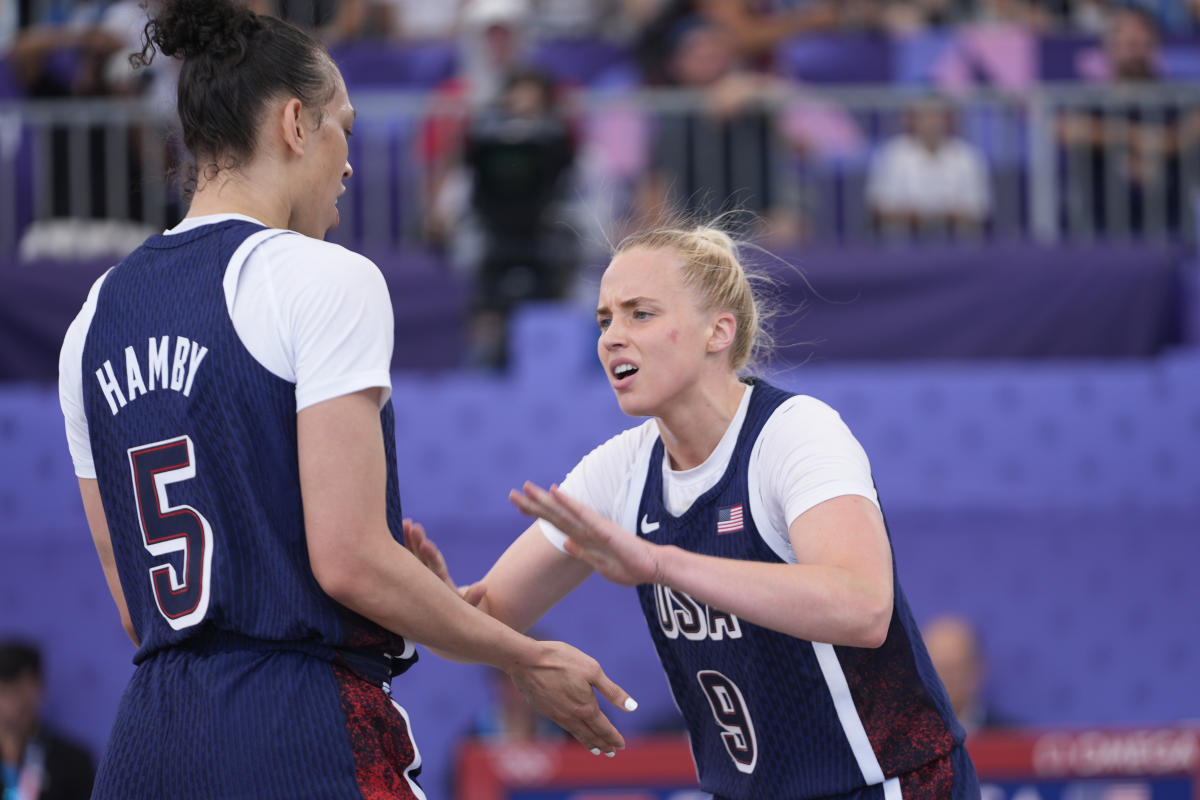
(423, 20)
(907, 177)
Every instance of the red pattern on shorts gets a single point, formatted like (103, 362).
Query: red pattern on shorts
(379, 738)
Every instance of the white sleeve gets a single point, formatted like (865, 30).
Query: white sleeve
(601, 480)
(70, 384)
(805, 456)
(313, 313)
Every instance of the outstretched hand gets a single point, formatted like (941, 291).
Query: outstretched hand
(421, 546)
(559, 687)
(615, 553)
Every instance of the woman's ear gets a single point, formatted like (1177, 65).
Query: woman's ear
(291, 121)
(722, 332)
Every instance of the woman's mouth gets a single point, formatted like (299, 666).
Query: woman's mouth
(623, 372)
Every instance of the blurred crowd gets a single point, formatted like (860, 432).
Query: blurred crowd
(754, 25)
(520, 184)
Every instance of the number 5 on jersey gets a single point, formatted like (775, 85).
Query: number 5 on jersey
(729, 710)
(166, 529)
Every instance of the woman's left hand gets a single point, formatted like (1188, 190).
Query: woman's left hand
(615, 553)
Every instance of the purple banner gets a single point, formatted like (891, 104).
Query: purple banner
(963, 302)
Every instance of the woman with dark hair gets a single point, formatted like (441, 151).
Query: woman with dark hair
(226, 394)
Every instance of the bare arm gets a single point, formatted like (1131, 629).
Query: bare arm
(526, 582)
(530, 578)
(840, 592)
(89, 489)
(29, 50)
(357, 562)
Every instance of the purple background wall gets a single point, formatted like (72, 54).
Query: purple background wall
(1004, 300)
(1056, 504)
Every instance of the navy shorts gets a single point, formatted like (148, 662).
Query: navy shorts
(256, 724)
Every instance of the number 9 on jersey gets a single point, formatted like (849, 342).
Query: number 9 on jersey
(729, 710)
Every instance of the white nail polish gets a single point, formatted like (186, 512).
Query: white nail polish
(630, 704)
(610, 755)
(595, 751)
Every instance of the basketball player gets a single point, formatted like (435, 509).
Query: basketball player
(226, 395)
(748, 521)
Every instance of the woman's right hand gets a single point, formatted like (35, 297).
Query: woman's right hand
(421, 546)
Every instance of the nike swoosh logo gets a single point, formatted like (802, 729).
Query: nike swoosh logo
(647, 525)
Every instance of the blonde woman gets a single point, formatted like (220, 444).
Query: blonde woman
(747, 519)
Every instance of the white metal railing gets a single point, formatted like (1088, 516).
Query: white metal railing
(108, 159)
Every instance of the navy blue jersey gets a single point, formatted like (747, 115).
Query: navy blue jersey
(771, 715)
(194, 444)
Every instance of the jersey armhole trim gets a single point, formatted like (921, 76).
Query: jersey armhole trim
(87, 468)
(636, 485)
(233, 273)
(779, 542)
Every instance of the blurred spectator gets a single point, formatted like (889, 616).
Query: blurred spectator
(86, 54)
(310, 14)
(1123, 153)
(38, 764)
(408, 20)
(906, 17)
(954, 649)
(497, 151)
(69, 56)
(1173, 17)
(577, 19)
(1131, 48)
(518, 157)
(721, 157)
(928, 181)
(1087, 16)
(751, 32)
(492, 45)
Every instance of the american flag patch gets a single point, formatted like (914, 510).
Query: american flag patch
(729, 520)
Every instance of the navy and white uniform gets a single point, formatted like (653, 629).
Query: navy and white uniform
(771, 715)
(180, 382)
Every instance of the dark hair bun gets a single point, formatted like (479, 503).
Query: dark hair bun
(234, 63)
(190, 29)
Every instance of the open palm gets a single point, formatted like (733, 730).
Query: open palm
(612, 551)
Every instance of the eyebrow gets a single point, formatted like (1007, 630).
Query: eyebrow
(630, 303)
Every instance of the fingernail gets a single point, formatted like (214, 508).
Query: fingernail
(595, 751)
(630, 704)
(610, 754)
